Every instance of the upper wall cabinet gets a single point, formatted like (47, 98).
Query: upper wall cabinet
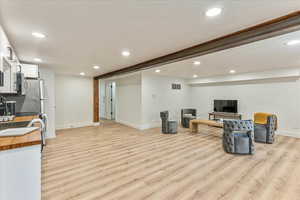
(30, 70)
(9, 63)
(8, 76)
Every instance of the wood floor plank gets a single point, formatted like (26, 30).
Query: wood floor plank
(115, 168)
(113, 161)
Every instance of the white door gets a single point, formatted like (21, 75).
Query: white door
(113, 101)
(110, 101)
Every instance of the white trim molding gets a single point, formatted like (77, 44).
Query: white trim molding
(77, 125)
(282, 74)
(132, 125)
(291, 133)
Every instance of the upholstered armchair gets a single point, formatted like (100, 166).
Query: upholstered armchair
(168, 126)
(186, 116)
(238, 137)
(265, 125)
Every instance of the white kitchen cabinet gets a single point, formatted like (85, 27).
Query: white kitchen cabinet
(30, 70)
(7, 51)
(9, 69)
(13, 81)
(7, 72)
(20, 173)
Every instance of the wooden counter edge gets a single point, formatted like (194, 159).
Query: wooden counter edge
(21, 119)
(14, 142)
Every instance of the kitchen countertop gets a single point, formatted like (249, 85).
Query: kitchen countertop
(22, 119)
(13, 142)
(22, 114)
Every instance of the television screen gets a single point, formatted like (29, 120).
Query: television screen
(225, 106)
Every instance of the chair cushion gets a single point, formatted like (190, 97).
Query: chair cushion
(189, 117)
(260, 133)
(172, 127)
(261, 118)
(241, 143)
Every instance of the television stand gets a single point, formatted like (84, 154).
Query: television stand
(224, 115)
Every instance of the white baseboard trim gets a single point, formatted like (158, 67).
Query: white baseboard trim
(136, 126)
(291, 133)
(50, 137)
(150, 125)
(284, 132)
(130, 124)
(77, 125)
(139, 126)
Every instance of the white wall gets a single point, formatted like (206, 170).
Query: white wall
(141, 100)
(157, 96)
(74, 101)
(128, 100)
(279, 97)
(141, 97)
(48, 76)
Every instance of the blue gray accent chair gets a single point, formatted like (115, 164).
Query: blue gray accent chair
(238, 137)
(265, 133)
(186, 116)
(168, 126)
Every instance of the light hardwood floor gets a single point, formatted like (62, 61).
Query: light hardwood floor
(113, 161)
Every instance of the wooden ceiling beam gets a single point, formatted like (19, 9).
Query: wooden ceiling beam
(279, 26)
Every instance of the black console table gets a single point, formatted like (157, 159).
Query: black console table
(224, 115)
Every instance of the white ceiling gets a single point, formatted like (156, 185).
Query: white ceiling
(263, 55)
(83, 33)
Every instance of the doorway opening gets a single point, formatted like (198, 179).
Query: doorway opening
(108, 100)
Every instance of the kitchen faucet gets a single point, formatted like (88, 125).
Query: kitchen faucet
(43, 128)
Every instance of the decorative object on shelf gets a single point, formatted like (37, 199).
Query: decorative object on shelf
(265, 125)
(238, 137)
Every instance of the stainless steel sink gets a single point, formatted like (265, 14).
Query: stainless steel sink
(17, 131)
(8, 125)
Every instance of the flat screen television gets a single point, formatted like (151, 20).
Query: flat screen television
(229, 106)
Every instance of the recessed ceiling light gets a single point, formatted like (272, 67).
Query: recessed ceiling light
(96, 67)
(232, 71)
(125, 53)
(213, 12)
(38, 35)
(293, 42)
(82, 73)
(197, 62)
(37, 60)
(195, 76)
(157, 71)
